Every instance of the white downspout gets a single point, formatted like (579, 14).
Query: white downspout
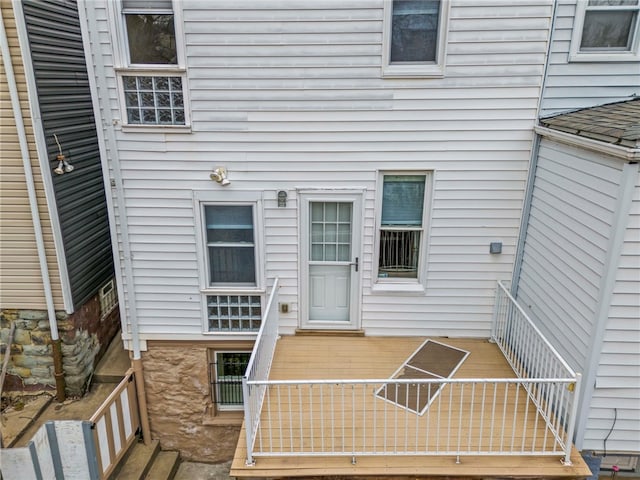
(33, 204)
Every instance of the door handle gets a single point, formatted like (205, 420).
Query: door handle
(355, 263)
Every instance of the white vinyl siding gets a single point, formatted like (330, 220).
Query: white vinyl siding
(618, 375)
(289, 96)
(572, 213)
(571, 85)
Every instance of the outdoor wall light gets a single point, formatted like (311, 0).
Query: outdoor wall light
(63, 165)
(220, 176)
(282, 199)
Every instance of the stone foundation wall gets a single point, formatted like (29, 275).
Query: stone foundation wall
(176, 383)
(84, 338)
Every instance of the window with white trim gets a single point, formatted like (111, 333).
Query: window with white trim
(231, 257)
(108, 296)
(402, 234)
(230, 263)
(152, 78)
(226, 370)
(415, 37)
(606, 30)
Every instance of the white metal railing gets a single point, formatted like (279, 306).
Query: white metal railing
(532, 414)
(532, 357)
(258, 368)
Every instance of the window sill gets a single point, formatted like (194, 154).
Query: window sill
(604, 56)
(222, 419)
(402, 288)
(156, 128)
(413, 71)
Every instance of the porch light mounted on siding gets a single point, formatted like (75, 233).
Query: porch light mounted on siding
(63, 165)
(220, 176)
(282, 199)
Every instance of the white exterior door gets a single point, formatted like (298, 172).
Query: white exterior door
(330, 248)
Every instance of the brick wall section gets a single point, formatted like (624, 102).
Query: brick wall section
(177, 388)
(84, 337)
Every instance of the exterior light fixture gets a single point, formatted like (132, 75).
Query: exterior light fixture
(282, 199)
(63, 165)
(220, 176)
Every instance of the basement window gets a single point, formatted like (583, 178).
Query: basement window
(226, 370)
(108, 296)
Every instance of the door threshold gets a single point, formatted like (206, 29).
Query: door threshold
(329, 333)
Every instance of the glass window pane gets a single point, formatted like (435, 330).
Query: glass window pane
(317, 212)
(344, 233)
(403, 199)
(612, 30)
(152, 39)
(129, 83)
(414, 31)
(399, 252)
(317, 233)
(344, 213)
(232, 264)
(229, 223)
(330, 233)
(178, 116)
(330, 253)
(317, 253)
(344, 253)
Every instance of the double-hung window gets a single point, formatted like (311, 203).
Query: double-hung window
(230, 270)
(606, 30)
(415, 37)
(403, 230)
(152, 78)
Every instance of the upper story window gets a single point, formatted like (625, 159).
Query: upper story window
(415, 37)
(403, 230)
(152, 77)
(606, 30)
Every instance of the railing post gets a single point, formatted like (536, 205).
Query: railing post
(496, 308)
(572, 420)
(248, 422)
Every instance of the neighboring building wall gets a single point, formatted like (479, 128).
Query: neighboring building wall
(84, 339)
(618, 377)
(571, 85)
(20, 275)
(291, 95)
(65, 107)
(572, 221)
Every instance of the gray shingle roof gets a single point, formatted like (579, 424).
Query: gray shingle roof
(617, 123)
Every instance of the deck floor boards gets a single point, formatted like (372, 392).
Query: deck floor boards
(337, 358)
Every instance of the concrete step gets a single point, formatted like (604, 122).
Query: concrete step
(164, 467)
(138, 462)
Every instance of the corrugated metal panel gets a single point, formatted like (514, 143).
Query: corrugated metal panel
(65, 103)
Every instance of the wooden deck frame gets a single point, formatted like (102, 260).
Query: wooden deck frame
(317, 357)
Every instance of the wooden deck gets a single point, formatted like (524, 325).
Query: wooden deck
(331, 357)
